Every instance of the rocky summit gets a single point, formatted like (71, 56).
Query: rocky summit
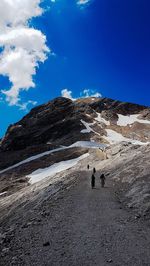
(59, 122)
(45, 182)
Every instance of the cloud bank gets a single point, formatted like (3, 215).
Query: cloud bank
(23, 47)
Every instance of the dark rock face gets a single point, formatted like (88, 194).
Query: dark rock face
(124, 108)
(58, 121)
(44, 123)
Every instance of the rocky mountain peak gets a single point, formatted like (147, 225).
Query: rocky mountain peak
(59, 121)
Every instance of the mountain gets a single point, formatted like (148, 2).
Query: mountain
(64, 122)
(41, 138)
(59, 122)
(45, 183)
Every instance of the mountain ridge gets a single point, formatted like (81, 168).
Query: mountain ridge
(67, 113)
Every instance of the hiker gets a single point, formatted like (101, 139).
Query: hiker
(94, 170)
(92, 181)
(88, 166)
(102, 179)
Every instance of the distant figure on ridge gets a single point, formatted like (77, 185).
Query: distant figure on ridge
(94, 170)
(102, 179)
(88, 167)
(92, 181)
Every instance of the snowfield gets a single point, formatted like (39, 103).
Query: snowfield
(114, 137)
(130, 119)
(40, 174)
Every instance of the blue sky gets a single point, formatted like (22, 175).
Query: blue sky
(102, 46)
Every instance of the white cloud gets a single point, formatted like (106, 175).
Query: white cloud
(18, 12)
(90, 93)
(24, 106)
(67, 94)
(83, 2)
(84, 94)
(23, 47)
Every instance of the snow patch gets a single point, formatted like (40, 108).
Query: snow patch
(125, 120)
(114, 137)
(88, 115)
(87, 126)
(88, 144)
(100, 119)
(3, 193)
(40, 174)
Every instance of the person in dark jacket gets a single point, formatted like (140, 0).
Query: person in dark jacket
(94, 170)
(88, 167)
(102, 179)
(92, 181)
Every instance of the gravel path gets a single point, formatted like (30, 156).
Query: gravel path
(80, 227)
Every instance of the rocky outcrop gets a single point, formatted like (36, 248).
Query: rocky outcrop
(124, 108)
(57, 122)
(145, 114)
(110, 115)
(42, 124)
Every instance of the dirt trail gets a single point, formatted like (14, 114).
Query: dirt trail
(80, 227)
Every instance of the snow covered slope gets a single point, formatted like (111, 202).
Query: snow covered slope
(40, 174)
